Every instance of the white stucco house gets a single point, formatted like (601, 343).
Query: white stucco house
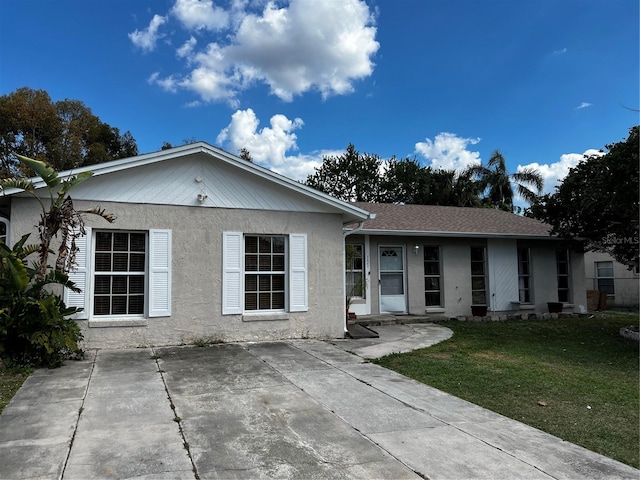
(207, 246)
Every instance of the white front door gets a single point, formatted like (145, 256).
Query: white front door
(392, 281)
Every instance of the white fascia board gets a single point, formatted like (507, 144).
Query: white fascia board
(414, 233)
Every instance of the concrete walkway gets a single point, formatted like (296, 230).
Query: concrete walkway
(289, 409)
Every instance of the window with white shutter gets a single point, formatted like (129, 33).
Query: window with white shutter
(122, 274)
(264, 273)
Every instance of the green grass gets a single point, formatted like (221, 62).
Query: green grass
(11, 379)
(581, 368)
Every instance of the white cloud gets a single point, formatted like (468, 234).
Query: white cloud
(554, 173)
(561, 51)
(147, 38)
(583, 105)
(200, 14)
(268, 146)
(304, 46)
(187, 48)
(168, 83)
(448, 151)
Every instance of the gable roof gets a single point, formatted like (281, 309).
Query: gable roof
(435, 220)
(123, 180)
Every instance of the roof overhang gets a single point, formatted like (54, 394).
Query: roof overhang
(413, 233)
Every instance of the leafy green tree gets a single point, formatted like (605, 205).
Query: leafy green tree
(244, 154)
(29, 125)
(597, 203)
(405, 181)
(64, 133)
(352, 176)
(498, 184)
(452, 188)
(34, 323)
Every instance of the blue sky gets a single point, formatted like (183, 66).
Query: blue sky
(444, 81)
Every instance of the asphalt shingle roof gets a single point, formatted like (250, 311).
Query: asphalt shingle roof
(454, 220)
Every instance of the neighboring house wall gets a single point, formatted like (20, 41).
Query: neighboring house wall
(197, 270)
(501, 268)
(625, 282)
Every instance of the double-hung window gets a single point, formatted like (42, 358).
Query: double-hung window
(478, 275)
(564, 275)
(264, 273)
(524, 276)
(604, 277)
(432, 277)
(120, 268)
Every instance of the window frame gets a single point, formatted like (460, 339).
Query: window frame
(598, 278)
(438, 276)
(5, 221)
(95, 274)
(271, 273)
(564, 293)
(485, 282)
(351, 269)
(525, 277)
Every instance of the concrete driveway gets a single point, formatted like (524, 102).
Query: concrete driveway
(289, 409)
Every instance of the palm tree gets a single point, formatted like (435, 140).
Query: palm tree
(499, 184)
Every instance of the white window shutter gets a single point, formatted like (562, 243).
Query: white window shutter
(159, 273)
(231, 273)
(298, 296)
(80, 276)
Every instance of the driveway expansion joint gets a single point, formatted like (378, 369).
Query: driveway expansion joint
(155, 357)
(80, 410)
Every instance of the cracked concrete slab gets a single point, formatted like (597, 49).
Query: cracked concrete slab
(290, 409)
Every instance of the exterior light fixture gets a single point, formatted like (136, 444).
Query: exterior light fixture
(416, 249)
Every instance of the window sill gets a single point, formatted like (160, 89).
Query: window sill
(118, 322)
(264, 317)
(434, 310)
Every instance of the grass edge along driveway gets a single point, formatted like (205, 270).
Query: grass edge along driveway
(575, 378)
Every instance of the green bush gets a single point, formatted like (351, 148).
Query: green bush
(35, 328)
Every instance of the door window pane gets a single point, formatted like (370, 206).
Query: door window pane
(391, 259)
(391, 284)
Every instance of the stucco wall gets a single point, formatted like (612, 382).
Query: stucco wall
(626, 282)
(197, 273)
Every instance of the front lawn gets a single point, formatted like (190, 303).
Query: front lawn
(575, 378)
(11, 379)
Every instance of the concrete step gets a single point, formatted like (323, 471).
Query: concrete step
(374, 320)
(360, 331)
